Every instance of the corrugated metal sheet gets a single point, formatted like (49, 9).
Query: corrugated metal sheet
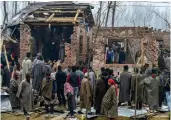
(22, 15)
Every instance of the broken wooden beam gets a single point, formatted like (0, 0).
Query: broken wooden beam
(6, 58)
(54, 19)
(53, 14)
(76, 16)
(9, 38)
(57, 11)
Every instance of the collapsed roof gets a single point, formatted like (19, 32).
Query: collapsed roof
(54, 12)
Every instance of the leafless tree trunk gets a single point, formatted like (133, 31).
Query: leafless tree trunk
(108, 11)
(113, 13)
(5, 12)
(100, 12)
(15, 7)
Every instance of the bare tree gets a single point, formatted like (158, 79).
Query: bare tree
(15, 7)
(5, 12)
(162, 17)
(113, 13)
(108, 11)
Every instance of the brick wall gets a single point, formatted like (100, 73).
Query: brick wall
(134, 37)
(25, 35)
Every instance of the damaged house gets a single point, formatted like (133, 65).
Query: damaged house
(58, 30)
(140, 44)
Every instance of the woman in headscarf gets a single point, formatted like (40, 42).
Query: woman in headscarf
(109, 102)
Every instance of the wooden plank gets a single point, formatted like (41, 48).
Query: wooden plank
(76, 16)
(6, 58)
(55, 11)
(52, 23)
(9, 38)
(53, 14)
(65, 7)
(55, 19)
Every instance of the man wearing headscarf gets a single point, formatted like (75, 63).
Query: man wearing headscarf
(109, 102)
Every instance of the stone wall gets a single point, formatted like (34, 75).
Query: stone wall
(25, 34)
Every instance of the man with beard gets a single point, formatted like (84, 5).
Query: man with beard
(38, 74)
(125, 87)
(151, 83)
(25, 95)
(26, 65)
(61, 79)
(100, 91)
(85, 94)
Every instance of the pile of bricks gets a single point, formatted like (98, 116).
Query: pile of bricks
(24, 40)
(67, 60)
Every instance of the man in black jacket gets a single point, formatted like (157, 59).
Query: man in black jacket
(61, 79)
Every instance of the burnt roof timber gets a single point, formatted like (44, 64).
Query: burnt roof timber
(56, 11)
(46, 24)
(65, 7)
(54, 19)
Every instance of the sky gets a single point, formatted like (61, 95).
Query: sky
(128, 13)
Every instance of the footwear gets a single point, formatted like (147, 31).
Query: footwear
(79, 112)
(90, 113)
(71, 116)
(46, 116)
(51, 116)
(28, 118)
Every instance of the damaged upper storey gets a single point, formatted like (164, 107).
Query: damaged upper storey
(44, 13)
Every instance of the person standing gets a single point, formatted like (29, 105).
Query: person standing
(125, 87)
(25, 95)
(80, 73)
(109, 102)
(135, 81)
(100, 92)
(36, 59)
(15, 103)
(26, 65)
(151, 83)
(47, 68)
(74, 79)
(167, 87)
(38, 75)
(67, 70)
(49, 93)
(7, 75)
(116, 57)
(85, 94)
(68, 90)
(61, 79)
(62, 51)
(122, 56)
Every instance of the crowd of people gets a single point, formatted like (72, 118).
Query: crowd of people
(105, 92)
(115, 54)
